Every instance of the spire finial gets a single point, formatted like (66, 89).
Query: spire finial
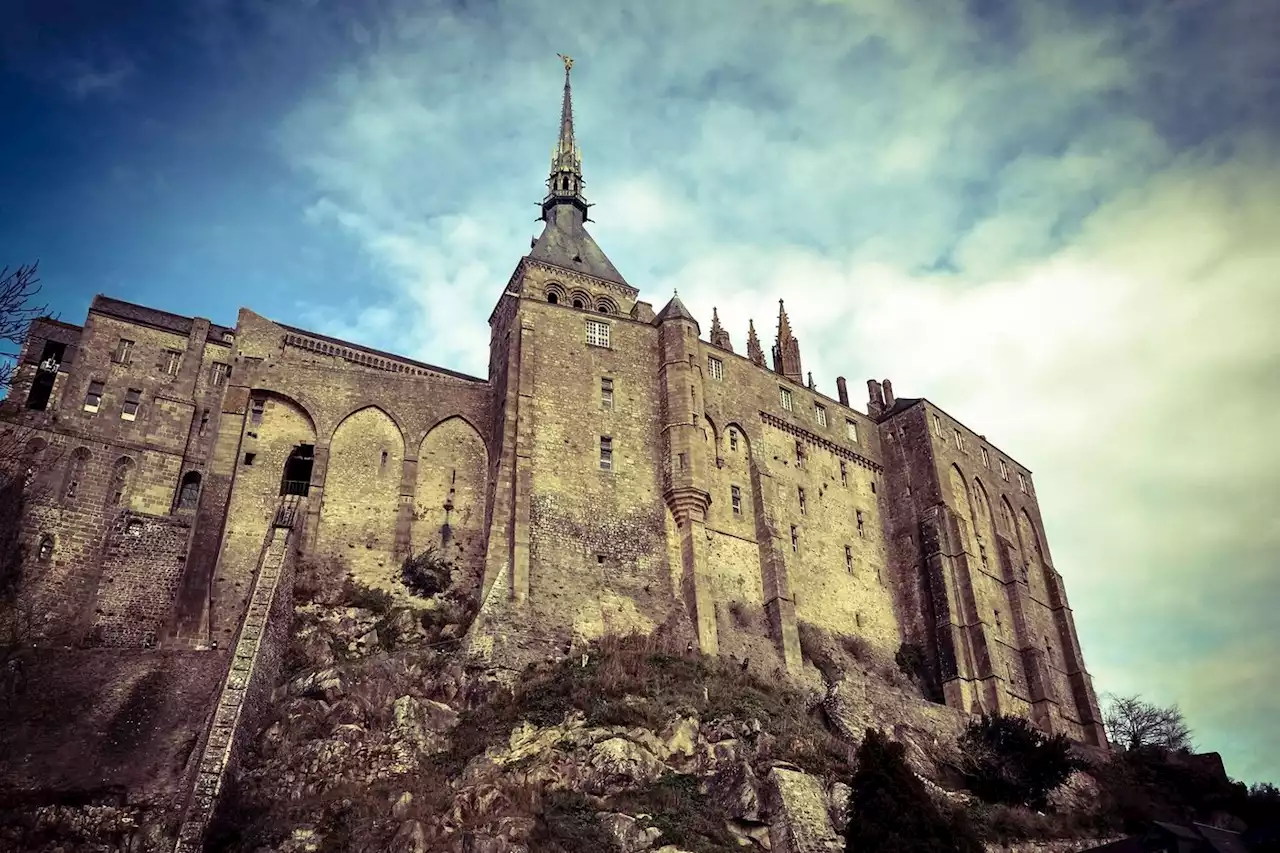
(719, 337)
(786, 352)
(565, 184)
(754, 350)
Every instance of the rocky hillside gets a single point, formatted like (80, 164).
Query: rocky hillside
(384, 738)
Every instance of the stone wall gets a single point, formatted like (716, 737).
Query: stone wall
(142, 563)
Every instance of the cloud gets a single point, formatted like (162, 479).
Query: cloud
(1059, 226)
(82, 79)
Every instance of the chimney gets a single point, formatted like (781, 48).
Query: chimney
(888, 394)
(842, 391)
(875, 399)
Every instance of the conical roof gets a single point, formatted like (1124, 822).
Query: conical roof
(675, 310)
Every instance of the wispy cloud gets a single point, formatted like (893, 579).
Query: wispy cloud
(83, 79)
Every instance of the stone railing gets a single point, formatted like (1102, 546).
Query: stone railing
(254, 669)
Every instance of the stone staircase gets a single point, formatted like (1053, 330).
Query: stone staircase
(253, 669)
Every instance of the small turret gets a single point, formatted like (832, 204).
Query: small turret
(786, 352)
(719, 337)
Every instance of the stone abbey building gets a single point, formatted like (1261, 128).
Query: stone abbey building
(616, 469)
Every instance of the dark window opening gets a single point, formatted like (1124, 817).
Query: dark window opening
(553, 298)
(46, 374)
(45, 552)
(382, 464)
(257, 410)
(204, 421)
(297, 470)
(249, 457)
(189, 493)
(577, 303)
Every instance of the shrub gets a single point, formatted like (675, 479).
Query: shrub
(891, 812)
(356, 594)
(427, 573)
(1005, 759)
(910, 660)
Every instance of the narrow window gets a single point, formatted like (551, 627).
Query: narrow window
(1048, 650)
(986, 460)
(848, 558)
(682, 462)
(123, 350)
(982, 552)
(597, 332)
(862, 531)
(257, 410)
(799, 454)
(204, 421)
(45, 552)
(803, 510)
(119, 486)
(93, 399)
(606, 453)
(999, 624)
(382, 462)
(844, 473)
(172, 361)
(733, 440)
(1004, 471)
(873, 487)
(76, 471)
(132, 401)
(715, 367)
(1022, 483)
(785, 396)
(606, 394)
(249, 457)
(218, 374)
(937, 426)
(795, 538)
(297, 470)
(851, 430)
(735, 497)
(959, 439)
(821, 414)
(189, 492)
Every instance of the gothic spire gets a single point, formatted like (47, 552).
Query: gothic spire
(564, 186)
(786, 352)
(719, 337)
(754, 352)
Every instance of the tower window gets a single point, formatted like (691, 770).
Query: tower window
(172, 361)
(937, 426)
(982, 554)
(986, 459)
(733, 440)
(606, 394)
(120, 476)
(785, 396)
(862, 530)
(189, 492)
(93, 398)
(597, 331)
(1022, 483)
(799, 454)
(132, 402)
(382, 462)
(606, 453)
(257, 410)
(848, 558)
(204, 422)
(844, 473)
(959, 439)
(1004, 471)
(577, 303)
(821, 414)
(553, 298)
(218, 374)
(803, 509)
(44, 553)
(715, 367)
(249, 457)
(851, 430)
(123, 350)
(795, 538)
(735, 498)
(999, 624)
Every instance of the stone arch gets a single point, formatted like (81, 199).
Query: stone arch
(963, 507)
(984, 528)
(579, 298)
(77, 468)
(1006, 524)
(555, 293)
(606, 305)
(743, 441)
(120, 486)
(362, 494)
(271, 394)
(712, 436)
(734, 472)
(1033, 558)
(450, 494)
(366, 406)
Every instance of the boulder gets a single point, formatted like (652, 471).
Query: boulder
(324, 684)
(400, 807)
(736, 789)
(627, 833)
(838, 806)
(617, 764)
(797, 810)
(403, 628)
(410, 838)
(423, 724)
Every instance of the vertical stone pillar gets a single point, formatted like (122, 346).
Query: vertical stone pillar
(522, 484)
(842, 390)
(315, 495)
(779, 603)
(404, 511)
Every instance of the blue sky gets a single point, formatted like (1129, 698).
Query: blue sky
(1056, 220)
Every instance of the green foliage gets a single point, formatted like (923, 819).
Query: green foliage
(426, 573)
(686, 817)
(1005, 759)
(891, 812)
(356, 594)
(570, 822)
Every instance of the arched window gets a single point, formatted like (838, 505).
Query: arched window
(189, 493)
(121, 480)
(553, 297)
(577, 303)
(297, 470)
(44, 551)
(77, 467)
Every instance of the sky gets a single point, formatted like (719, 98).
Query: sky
(1058, 221)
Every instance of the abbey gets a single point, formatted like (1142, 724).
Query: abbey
(617, 469)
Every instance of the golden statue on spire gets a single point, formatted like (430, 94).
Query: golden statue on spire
(568, 61)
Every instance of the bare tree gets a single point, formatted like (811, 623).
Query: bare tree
(17, 290)
(1134, 723)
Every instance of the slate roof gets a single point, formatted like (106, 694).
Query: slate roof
(675, 310)
(566, 243)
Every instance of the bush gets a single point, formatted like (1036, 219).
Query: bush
(910, 660)
(427, 573)
(1005, 759)
(356, 594)
(891, 812)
